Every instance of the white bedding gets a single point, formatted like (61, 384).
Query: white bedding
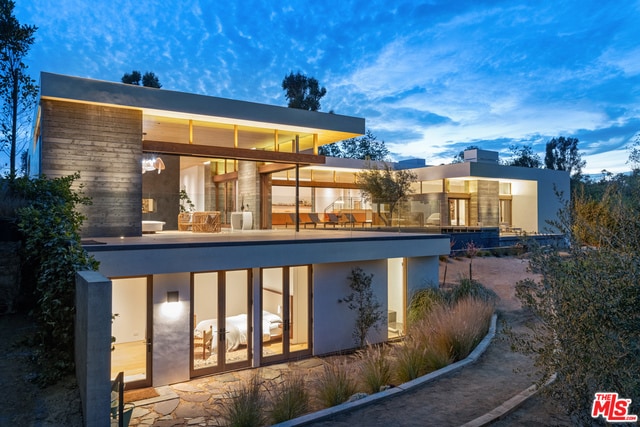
(236, 329)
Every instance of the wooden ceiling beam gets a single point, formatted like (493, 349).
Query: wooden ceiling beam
(316, 184)
(275, 167)
(230, 176)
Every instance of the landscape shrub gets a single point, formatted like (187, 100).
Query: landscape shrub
(290, 398)
(586, 303)
(450, 332)
(409, 360)
(422, 301)
(375, 368)
(52, 253)
(466, 288)
(245, 406)
(335, 384)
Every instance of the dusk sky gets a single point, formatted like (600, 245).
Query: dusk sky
(430, 78)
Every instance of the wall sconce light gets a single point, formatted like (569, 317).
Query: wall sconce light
(173, 296)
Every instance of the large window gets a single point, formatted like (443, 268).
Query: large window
(222, 321)
(458, 212)
(286, 322)
(131, 330)
(505, 212)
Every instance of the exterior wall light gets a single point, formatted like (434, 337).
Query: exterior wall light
(173, 296)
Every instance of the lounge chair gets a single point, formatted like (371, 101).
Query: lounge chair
(300, 221)
(332, 220)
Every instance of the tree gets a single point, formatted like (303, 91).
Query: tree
(148, 80)
(366, 147)
(459, 158)
(132, 78)
(364, 302)
(524, 157)
(634, 153)
(151, 80)
(587, 304)
(303, 92)
(52, 254)
(562, 154)
(18, 90)
(386, 186)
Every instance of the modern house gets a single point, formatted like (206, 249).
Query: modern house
(224, 239)
(216, 295)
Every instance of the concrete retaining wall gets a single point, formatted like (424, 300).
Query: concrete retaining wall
(93, 345)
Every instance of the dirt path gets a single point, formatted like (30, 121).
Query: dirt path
(496, 377)
(23, 402)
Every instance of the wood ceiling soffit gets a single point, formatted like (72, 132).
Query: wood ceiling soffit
(316, 184)
(230, 153)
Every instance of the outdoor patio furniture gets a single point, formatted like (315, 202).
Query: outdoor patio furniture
(301, 220)
(184, 221)
(205, 222)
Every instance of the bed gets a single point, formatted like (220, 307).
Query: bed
(236, 329)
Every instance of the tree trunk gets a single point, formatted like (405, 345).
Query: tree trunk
(14, 124)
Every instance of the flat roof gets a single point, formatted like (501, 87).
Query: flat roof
(174, 251)
(188, 106)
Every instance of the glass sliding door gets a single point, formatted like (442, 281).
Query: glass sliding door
(205, 319)
(300, 319)
(458, 212)
(131, 354)
(286, 314)
(221, 338)
(237, 332)
(273, 303)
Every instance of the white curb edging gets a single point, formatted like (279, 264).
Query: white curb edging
(447, 370)
(508, 406)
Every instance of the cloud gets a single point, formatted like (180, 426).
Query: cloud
(427, 77)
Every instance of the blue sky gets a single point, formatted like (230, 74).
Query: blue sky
(431, 78)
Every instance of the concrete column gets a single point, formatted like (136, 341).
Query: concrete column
(249, 189)
(93, 346)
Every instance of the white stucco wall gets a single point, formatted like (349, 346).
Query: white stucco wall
(170, 329)
(523, 207)
(333, 320)
(422, 272)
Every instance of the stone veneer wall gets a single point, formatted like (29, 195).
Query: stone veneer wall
(487, 204)
(104, 144)
(249, 189)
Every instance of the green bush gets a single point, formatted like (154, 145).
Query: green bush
(471, 288)
(586, 302)
(52, 253)
(422, 302)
